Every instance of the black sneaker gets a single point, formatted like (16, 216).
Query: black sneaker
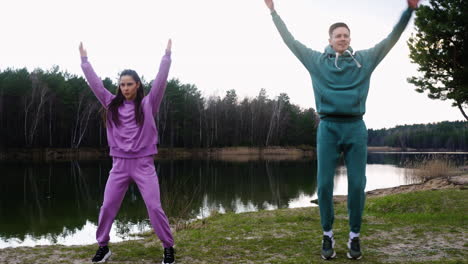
(169, 256)
(354, 247)
(328, 245)
(102, 254)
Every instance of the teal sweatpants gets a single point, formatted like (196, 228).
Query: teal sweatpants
(349, 138)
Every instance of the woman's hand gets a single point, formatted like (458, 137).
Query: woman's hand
(83, 52)
(169, 45)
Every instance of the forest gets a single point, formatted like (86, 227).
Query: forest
(56, 109)
(443, 135)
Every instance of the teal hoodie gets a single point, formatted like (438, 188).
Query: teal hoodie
(341, 83)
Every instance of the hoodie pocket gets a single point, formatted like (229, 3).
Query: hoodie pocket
(340, 102)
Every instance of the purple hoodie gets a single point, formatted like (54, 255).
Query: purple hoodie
(128, 140)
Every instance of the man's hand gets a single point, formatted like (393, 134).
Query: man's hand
(83, 52)
(270, 5)
(411, 4)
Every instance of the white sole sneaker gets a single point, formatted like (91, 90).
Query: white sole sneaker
(334, 252)
(349, 256)
(105, 258)
(349, 248)
(332, 256)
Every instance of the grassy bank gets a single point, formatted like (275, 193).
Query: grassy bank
(418, 227)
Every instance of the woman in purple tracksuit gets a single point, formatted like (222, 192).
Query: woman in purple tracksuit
(132, 138)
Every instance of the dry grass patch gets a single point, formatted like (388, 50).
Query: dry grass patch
(431, 167)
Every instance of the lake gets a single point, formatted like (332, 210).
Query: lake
(58, 202)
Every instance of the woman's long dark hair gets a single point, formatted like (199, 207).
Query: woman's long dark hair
(113, 108)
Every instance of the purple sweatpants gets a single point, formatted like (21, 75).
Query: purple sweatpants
(142, 172)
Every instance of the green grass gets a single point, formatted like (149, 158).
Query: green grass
(419, 227)
(447, 207)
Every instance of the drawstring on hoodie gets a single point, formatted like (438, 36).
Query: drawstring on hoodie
(336, 60)
(357, 62)
(349, 52)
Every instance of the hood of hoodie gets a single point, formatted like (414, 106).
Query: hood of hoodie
(330, 51)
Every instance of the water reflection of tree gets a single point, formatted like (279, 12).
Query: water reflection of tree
(401, 159)
(274, 186)
(178, 196)
(80, 186)
(56, 199)
(32, 201)
(229, 185)
(378, 158)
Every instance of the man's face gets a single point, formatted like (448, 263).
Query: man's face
(340, 39)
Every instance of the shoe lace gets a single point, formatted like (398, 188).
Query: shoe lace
(327, 242)
(168, 253)
(100, 252)
(355, 244)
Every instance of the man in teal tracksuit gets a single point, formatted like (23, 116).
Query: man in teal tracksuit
(340, 78)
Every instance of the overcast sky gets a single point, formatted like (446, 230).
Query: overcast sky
(218, 45)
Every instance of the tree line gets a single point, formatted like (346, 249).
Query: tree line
(444, 135)
(56, 109)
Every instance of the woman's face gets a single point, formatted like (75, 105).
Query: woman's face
(128, 86)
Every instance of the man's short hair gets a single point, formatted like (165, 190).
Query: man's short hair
(337, 25)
